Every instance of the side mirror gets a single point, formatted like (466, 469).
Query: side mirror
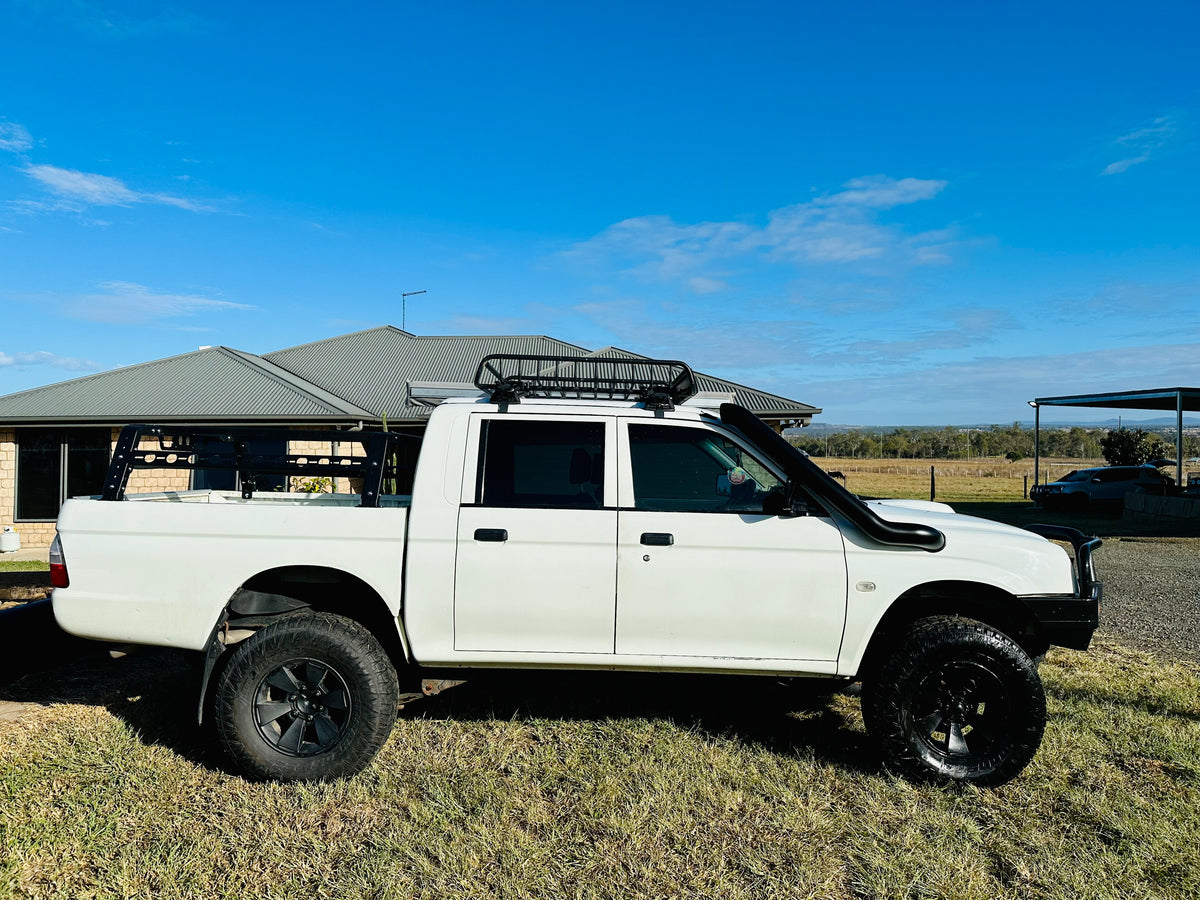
(781, 503)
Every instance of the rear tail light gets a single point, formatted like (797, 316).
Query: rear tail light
(58, 565)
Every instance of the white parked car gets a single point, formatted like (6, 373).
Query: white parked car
(576, 515)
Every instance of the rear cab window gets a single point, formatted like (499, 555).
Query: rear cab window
(543, 463)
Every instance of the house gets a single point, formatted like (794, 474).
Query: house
(56, 441)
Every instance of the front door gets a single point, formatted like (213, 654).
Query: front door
(535, 567)
(701, 572)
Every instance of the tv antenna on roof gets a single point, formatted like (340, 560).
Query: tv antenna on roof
(404, 306)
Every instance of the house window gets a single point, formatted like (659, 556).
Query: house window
(56, 463)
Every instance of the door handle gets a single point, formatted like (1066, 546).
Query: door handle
(657, 539)
(498, 535)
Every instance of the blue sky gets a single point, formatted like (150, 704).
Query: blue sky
(903, 213)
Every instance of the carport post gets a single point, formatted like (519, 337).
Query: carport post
(1179, 439)
(1037, 438)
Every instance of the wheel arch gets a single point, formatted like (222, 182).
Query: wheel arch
(985, 603)
(290, 589)
(321, 589)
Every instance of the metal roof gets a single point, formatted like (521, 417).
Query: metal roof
(1155, 398)
(373, 368)
(214, 384)
(363, 376)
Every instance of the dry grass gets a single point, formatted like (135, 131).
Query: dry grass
(607, 786)
(986, 479)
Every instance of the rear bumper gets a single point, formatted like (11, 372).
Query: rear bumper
(1069, 620)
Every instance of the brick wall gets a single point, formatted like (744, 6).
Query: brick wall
(148, 481)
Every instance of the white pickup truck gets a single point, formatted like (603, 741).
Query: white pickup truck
(572, 516)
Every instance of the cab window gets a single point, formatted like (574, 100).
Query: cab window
(545, 465)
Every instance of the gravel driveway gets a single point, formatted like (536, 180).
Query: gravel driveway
(1152, 594)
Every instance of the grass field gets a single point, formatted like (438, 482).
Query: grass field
(956, 480)
(610, 787)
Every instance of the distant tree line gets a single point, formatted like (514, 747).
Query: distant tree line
(1010, 441)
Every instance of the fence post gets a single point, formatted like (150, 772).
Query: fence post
(932, 484)
(1025, 489)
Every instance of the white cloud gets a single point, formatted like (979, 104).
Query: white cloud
(45, 358)
(127, 303)
(702, 284)
(837, 228)
(881, 192)
(99, 190)
(1143, 142)
(14, 138)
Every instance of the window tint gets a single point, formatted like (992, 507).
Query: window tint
(695, 470)
(541, 464)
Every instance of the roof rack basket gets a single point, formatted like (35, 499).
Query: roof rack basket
(658, 383)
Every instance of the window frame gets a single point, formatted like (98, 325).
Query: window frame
(63, 433)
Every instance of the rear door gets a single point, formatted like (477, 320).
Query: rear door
(701, 571)
(536, 546)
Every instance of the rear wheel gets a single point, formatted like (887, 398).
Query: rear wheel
(957, 700)
(310, 697)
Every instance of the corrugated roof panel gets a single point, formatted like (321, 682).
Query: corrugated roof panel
(213, 383)
(373, 368)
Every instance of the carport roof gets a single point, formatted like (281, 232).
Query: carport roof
(1156, 398)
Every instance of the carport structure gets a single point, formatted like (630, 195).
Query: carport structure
(1177, 399)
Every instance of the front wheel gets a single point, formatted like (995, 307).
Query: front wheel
(956, 700)
(310, 697)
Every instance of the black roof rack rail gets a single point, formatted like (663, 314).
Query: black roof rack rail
(658, 383)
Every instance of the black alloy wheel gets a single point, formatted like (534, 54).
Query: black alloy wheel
(303, 707)
(309, 697)
(956, 700)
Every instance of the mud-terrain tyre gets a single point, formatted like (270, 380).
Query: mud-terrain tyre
(956, 700)
(310, 697)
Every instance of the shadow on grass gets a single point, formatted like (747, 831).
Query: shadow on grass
(789, 717)
(155, 691)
